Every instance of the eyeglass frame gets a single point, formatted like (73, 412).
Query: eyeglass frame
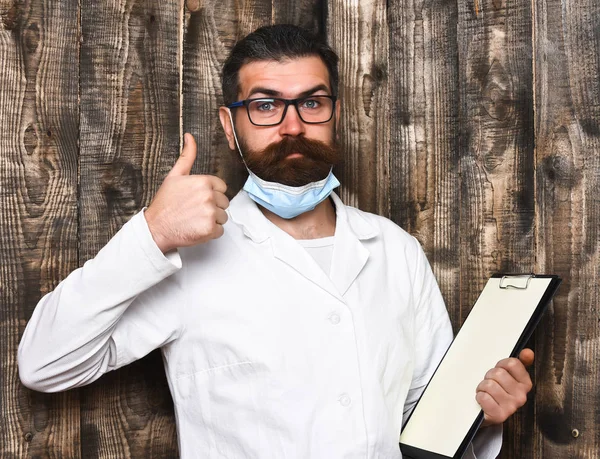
(287, 102)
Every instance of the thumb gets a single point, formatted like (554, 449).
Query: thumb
(526, 357)
(186, 159)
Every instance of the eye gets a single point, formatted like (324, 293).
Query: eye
(311, 104)
(265, 106)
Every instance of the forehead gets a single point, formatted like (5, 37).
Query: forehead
(288, 77)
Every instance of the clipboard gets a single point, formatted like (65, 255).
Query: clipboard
(447, 416)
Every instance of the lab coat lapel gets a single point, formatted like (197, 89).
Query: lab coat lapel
(349, 253)
(246, 214)
(289, 251)
(349, 258)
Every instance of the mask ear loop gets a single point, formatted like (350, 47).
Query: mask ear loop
(236, 139)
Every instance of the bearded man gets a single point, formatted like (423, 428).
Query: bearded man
(290, 324)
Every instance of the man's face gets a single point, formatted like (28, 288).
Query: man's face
(293, 152)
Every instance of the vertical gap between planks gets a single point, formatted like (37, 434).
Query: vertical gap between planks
(78, 188)
(536, 213)
(78, 143)
(534, 146)
(180, 61)
(459, 145)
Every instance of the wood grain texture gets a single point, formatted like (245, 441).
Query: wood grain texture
(130, 112)
(567, 104)
(211, 30)
(38, 208)
(208, 36)
(424, 134)
(359, 34)
(496, 161)
(474, 125)
(496, 141)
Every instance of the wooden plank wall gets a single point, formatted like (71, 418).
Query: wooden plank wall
(129, 138)
(474, 124)
(39, 117)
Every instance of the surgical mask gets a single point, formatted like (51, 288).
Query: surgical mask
(284, 200)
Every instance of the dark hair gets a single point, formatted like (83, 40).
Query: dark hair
(275, 43)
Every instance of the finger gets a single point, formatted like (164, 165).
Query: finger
(494, 390)
(221, 200)
(516, 369)
(499, 396)
(505, 379)
(492, 411)
(217, 184)
(186, 159)
(503, 405)
(506, 390)
(221, 216)
(527, 356)
(488, 403)
(218, 232)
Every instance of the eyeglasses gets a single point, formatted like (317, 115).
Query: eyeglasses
(270, 111)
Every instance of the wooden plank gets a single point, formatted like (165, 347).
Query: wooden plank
(359, 34)
(496, 160)
(424, 134)
(208, 35)
(567, 103)
(211, 30)
(130, 112)
(38, 208)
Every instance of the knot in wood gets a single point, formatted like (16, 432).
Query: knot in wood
(10, 18)
(561, 170)
(32, 38)
(497, 92)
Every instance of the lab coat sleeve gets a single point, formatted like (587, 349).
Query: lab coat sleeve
(433, 336)
(105, 314)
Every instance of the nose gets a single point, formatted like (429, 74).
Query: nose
(292, 124)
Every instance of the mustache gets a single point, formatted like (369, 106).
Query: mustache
(272, 163)
(311, 149)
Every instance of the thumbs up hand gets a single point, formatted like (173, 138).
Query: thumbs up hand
(187, 209)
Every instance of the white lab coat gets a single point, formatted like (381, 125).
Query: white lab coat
(266, 356)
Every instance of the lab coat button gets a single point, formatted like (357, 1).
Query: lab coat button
(345, 400)
(334, 318)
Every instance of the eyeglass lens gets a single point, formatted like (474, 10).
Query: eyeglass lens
(270, 111)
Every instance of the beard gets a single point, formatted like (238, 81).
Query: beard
(272, 163)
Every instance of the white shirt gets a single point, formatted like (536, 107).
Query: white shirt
(321, 249)
(266, 356)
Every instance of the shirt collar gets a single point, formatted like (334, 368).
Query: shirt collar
(246, 214)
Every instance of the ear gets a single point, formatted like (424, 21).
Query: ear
(227, 127)
(338, 111)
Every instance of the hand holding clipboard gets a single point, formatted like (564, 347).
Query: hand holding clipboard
(500, 323)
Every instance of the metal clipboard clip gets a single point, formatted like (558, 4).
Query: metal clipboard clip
(518, 281)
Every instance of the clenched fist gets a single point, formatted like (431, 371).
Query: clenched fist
(187, 209)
